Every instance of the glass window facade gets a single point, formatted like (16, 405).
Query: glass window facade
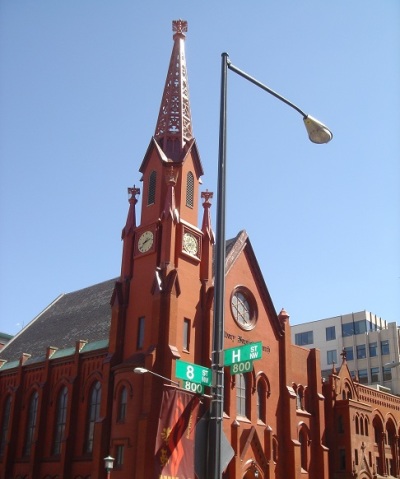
(374, 375)
(301, 339)
(331, 356)
(373, 349)
(361, 351)
(387, 373)
(385, 347)
(358, 327)
(349, 353)
(330, 333)
(363, 376)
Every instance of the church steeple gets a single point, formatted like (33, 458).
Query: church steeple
(174, 124)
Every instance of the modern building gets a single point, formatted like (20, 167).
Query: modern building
(69, 394)
(371, 346)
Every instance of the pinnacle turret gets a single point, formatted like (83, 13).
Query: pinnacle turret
(174, 124)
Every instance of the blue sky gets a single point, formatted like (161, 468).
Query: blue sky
(80, 88)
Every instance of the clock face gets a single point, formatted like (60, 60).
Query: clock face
(242, 310)
(145, 241)
(190, 244)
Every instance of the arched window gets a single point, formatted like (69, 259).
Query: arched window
(4, 424)
(241, 403)
(300, 398)
(151, 196)
(379, 437)
(391, 442)
(61, 420)
(366, 427)
(261, 401)
(303, 440)
(123, 399)
(190, 190)
(357, 425)
(275, 449)
(31, 423)
(92, 415)
(362, 426)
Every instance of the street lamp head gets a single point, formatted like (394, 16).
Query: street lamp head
(317, 131)
(393, 364)
(108, 463)
(140, 370)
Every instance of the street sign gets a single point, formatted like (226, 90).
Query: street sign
(248, 352)
(242, 367)
(193, 373)
(193, 387)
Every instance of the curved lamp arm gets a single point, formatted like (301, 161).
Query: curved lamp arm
(317, 131)
(144, 371)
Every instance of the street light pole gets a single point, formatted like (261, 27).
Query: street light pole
(318, 133)
(217, 388)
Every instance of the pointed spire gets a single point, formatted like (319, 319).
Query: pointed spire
(206, 227)
(174, 124)
(128, 235)
(131, 218)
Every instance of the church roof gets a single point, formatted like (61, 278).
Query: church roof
(80, 315)
(83, 315)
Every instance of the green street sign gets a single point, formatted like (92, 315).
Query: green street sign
(193, 373)
(243, 367)
(248, 352)
(193, 387)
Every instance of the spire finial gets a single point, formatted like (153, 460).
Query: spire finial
(180, 26)
(174, 124)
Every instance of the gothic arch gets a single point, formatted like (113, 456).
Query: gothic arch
(261, 376)
(378, 424)
(89, 381)
(299, 390)
(390, 417)
(303, 434)
(28, 393)
(121, 383)
(348, 391)
(357, 423)
(62, 382)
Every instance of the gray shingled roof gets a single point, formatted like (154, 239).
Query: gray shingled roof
(81, 315)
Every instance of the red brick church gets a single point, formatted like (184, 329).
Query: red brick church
(69, 396)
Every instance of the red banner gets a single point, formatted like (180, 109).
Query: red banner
(174, 452)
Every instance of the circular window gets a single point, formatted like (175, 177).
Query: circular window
(243, 308)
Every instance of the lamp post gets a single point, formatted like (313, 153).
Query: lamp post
(144, 371)
(318, 133)
(108, 464)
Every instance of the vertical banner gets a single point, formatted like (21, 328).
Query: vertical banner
(174, 451)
